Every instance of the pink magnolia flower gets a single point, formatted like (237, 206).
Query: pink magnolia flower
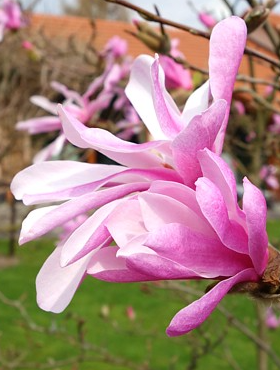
(10, 17)
(87, 110)
(168, 231)
(116, 47)
(274, 127)
(161, 167)
(272, 321)
(207, 19)
(79, 106)
(130, 313)
(173, 232)
(268, 173)
(27, 45)
(84, 108)
(240, 107)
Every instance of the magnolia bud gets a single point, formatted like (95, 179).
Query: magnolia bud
(158, 42)
(270, 4)
(256, 17)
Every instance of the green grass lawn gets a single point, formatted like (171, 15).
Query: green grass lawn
(95, 326)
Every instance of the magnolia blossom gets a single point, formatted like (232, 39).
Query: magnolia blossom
(168, 231)
(268, 174)
(170, 206)
(207, 19)
(84, 107)
(274, 127)
(10, 17)
(116, 47)
(79, 106)
(272, 321)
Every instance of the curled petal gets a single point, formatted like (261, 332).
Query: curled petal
(125, 222)
(140, 85)
(255, 209)
(213, 206)
(218, 171)
(108, 144)
(227, 43)
(167, 112)
(43, 220)
(193, 315)
(199, 134)
(87, 237)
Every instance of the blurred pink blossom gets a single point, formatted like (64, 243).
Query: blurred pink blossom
(27, 45)
(274, 127)
(11, 17)
(272, 321)
(207, 19)
(239, 106)
(130, 313)
(116, 47)
(84, 107)
(268, 173)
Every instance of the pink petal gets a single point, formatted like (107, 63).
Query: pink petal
(193, 315)
(125, 222)
(52, 150)
(197, 102)
(178, 192)
(56, 285)
(167, 112)
(39, 125)
(218, 171)
(199, 134)
(106, 266)
(255, 209)
(41, 221)
(227, 43)
(108, 144)
(68, 94)
(56, 177)
(44, 103)
(176, 76)
(205, 256)
(139, 92)
(158, 210)
(157, 267)
(89, 236)
(214, 208)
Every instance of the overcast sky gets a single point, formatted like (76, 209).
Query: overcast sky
(177, 10)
